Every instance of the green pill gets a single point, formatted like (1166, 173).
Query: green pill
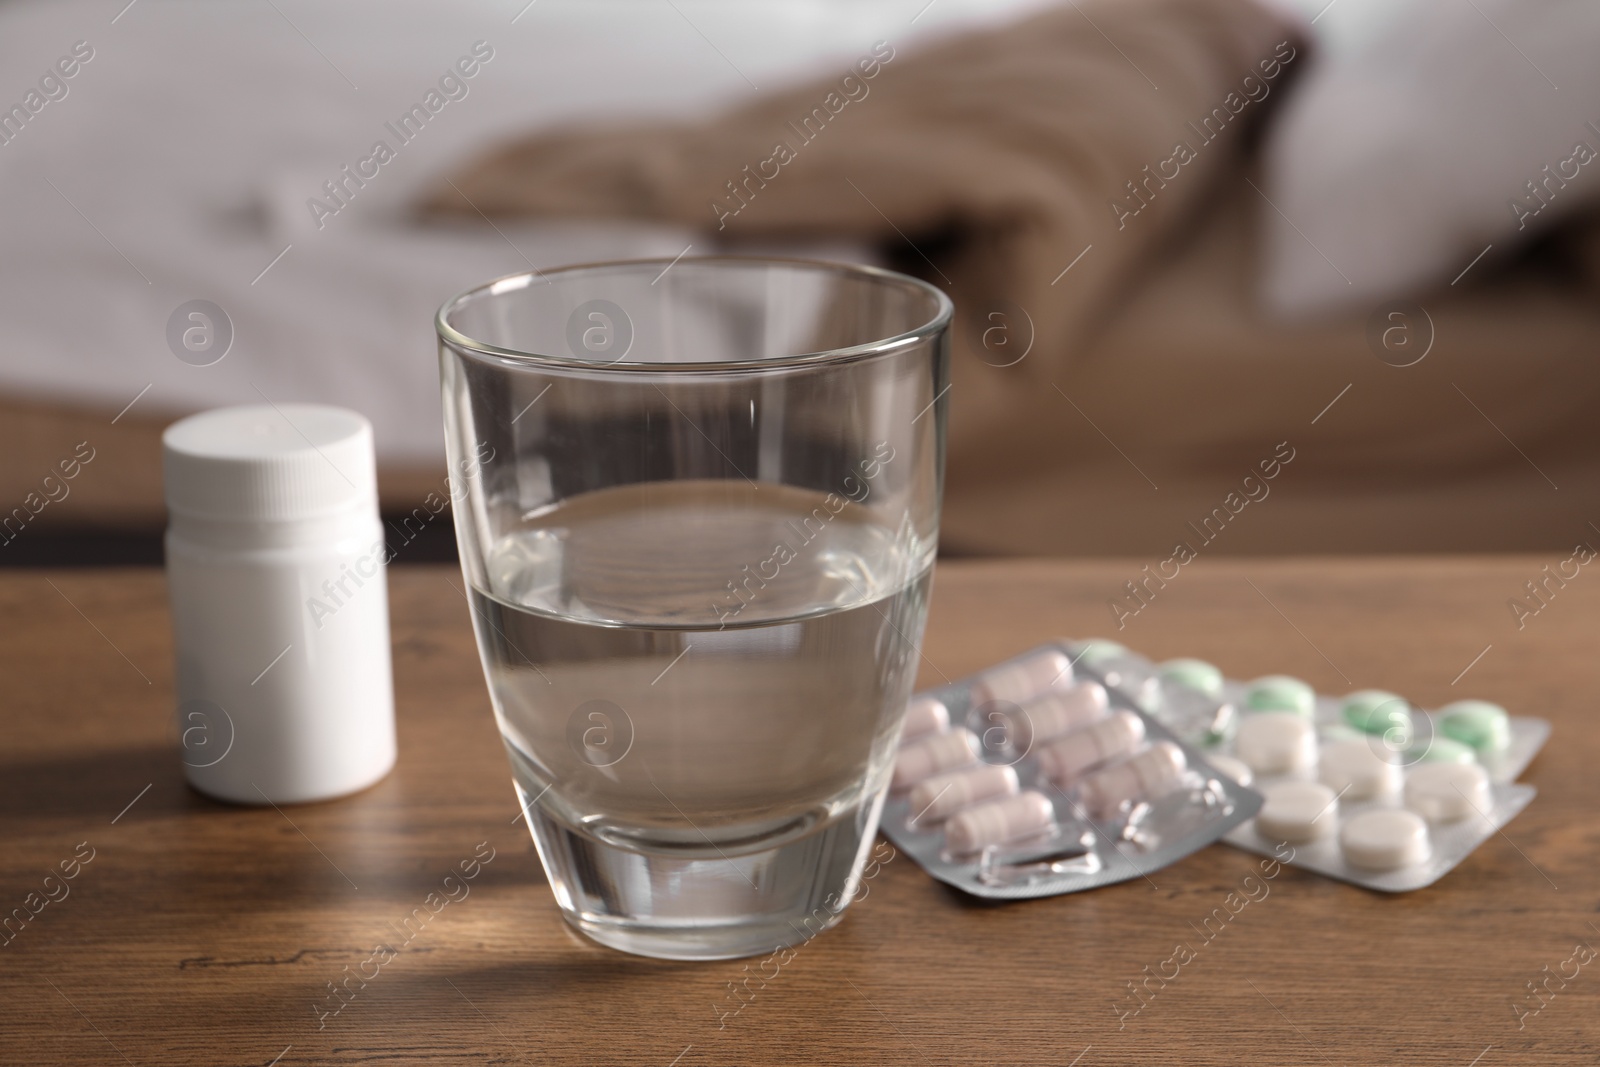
(1375, 711)
(1444, 750)
(1279, 692)
(1478, 723)
(1196, 674)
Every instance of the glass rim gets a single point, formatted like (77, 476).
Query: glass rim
(944, 310)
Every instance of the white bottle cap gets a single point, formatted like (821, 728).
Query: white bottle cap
(269, 463)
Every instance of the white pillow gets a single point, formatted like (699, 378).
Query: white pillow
(1406, 152)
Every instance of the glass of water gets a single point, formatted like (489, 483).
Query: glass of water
(697, 505)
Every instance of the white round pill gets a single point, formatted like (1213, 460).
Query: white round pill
(1297, 811)
(1238, 770)
(1357, 770)
(1276, 742)
(1448, 792)
(999, 821)
(932, 754)
(1384, 840)
(924, 715)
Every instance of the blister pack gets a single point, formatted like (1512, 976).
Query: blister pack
(1366, 787)
(1027, 780)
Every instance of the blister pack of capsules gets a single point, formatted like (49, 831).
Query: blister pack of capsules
(1028, 780)
(1367, 787)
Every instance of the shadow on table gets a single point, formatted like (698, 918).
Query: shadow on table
(967, 900)
(94, 784)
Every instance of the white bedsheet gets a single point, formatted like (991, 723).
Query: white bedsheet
(178, 164)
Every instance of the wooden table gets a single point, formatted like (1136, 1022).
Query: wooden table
(205, 934)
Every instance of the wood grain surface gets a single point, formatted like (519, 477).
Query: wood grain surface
(205, 934)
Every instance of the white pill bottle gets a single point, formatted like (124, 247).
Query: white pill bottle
(280, 611)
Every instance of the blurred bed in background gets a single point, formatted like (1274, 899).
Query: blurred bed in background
(1380, 281)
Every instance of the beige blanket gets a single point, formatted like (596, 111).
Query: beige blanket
(1029, 170)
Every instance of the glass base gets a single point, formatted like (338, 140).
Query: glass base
(707, 903)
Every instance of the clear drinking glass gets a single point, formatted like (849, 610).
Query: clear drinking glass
(697, 505)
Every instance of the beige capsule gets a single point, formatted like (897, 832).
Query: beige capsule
(1020, 681)
(933, 754)
(924, 715)
(934, 799)
(1147, 775)
(1058, 713)
(1238, 770)
(999, 821)
(1065, 758)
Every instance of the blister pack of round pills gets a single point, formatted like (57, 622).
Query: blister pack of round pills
(1365, 787)
(1027, 780)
